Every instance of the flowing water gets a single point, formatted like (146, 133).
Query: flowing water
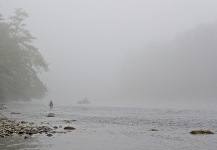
(109, 128)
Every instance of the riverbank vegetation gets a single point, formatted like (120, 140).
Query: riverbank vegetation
(20, 61)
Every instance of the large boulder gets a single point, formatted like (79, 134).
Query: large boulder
(69, 128)
(51, 115)
(201, 132)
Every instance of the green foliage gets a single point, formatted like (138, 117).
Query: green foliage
(20, 61)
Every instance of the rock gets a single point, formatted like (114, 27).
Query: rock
(55, 127)
(31, 123)
(51, 115)
(17, 128)
(2, 106)
(153, 130)
(21, 132)
(53, 132)
(15, 113)
(23, 122)
(49, 135)
(201, 132)
(11, 121)
(69, 121)
(34, 129)
(69, 128)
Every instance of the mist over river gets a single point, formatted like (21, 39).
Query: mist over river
(109, 128)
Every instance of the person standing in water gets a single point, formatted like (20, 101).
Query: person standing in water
(51, 104)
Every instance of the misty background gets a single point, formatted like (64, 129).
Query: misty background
(146, 53)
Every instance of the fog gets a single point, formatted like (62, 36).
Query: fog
(140, 53)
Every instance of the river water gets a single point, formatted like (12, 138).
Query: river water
(109, 128)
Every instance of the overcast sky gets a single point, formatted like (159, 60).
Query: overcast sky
(88, 43)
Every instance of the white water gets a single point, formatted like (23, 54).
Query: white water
(107, 128)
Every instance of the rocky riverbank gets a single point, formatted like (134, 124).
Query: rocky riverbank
(9, 128)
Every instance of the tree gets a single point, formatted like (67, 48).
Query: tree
(5, 78)
(20, 61)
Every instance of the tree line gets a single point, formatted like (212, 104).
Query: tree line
(184, 68)
(20, 61)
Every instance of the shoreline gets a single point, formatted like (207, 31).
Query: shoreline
(10, 128)
(114, 128)
(25, 129)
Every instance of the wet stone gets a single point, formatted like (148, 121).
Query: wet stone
(153, 130)
(55, 127)
(51, 115)
(49, 135)
(23, 122)
(69, 128)
(15, 113)
(201, 132)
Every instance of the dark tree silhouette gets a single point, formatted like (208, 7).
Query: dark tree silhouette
(20, 61)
